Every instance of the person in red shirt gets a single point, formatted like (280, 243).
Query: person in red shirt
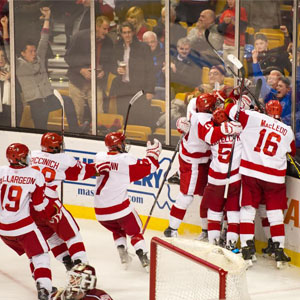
(81, 285)
(227, 28)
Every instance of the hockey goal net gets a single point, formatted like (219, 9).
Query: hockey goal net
(188, 269)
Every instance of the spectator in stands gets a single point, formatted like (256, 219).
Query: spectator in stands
(176, 30)
(134, 68)
(199, 44)
(284, 95)
(135, 16)
(185, 74)
(216, 77)
(34, 82)
(268, 90)
(158, 55)
(277, 57)
(78, 57)
(227, 28)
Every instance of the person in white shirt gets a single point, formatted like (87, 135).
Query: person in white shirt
(266, 142)
(20, 185)
(117, 169)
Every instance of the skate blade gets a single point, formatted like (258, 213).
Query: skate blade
(281, 264)
(147, 268)
(253, 258)
(249, 263)
(125, 263)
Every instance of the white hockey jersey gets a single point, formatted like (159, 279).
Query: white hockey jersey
(266, 141)
(221, 152)
(57, 167)
(111, 199)
(18, 186)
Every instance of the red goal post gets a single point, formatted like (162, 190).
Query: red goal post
(182, 269)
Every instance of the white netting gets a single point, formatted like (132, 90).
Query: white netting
(179, 278)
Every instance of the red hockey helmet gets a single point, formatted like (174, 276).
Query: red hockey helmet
(18, 154)
(51, 142)
(81, 278)
(115, 141)
(205, 102)
(274, 109)
(219, 116)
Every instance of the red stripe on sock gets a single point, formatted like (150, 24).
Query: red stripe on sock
(75, 248)
(277, 230)
(213, 225)
(247, 228)
(59, 249)
(42, 273)
(265, 222)
(233, 227)
(177, 212)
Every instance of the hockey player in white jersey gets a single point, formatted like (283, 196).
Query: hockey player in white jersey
(217, 177)
(63, 234)
(113, 209)
(194, 157)
(19, 185)
(266, 142)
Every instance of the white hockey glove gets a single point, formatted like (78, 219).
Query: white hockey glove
(246, 102)
(231, 128)
(153, 150)
(183, 125)
(56, 214)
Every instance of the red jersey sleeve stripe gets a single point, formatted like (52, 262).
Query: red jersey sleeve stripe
(219, 175)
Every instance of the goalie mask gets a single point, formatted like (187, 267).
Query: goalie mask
(219, 116)
(115, 141)
(18, 155)
(206, 103)
(81, 279)
(274, 109)
(51, 142)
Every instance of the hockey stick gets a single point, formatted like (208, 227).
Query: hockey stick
(61, 100)
(294, 163)
(162, 184)
(257, 93)
(131, 102)
(206, 33)
(239, 65)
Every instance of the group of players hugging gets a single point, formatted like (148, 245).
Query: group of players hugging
(235, 157)
(218, 132)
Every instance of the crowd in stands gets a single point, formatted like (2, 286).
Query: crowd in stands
(130, 55)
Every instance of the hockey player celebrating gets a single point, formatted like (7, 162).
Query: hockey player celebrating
(266, 142)
(81, 285)
(20, 184)
(194, 156)
(214, 191)
(62, 234)
(117, 169)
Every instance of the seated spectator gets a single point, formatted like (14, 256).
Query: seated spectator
(216, 77)
(284, 95)
(134, 68)
(199, 44)
(33, 78)
(78, 57)
(135, 16)
(227, 28)
(176, 30)
(185, 74)
(158, 55)
(268, 89)
(275, 58)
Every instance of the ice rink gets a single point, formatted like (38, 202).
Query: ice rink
(264, 280)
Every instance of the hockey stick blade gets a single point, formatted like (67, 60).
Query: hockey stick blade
(258, 88)
(136, 96)
(236, 62)
(59, 97)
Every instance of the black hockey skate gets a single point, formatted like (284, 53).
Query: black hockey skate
(170, 232)
(43, 294)
(269, 250)
(68, 263)
(248, 253)
(280, 257)
(174, 179)
(124, 256)
(143, 259)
